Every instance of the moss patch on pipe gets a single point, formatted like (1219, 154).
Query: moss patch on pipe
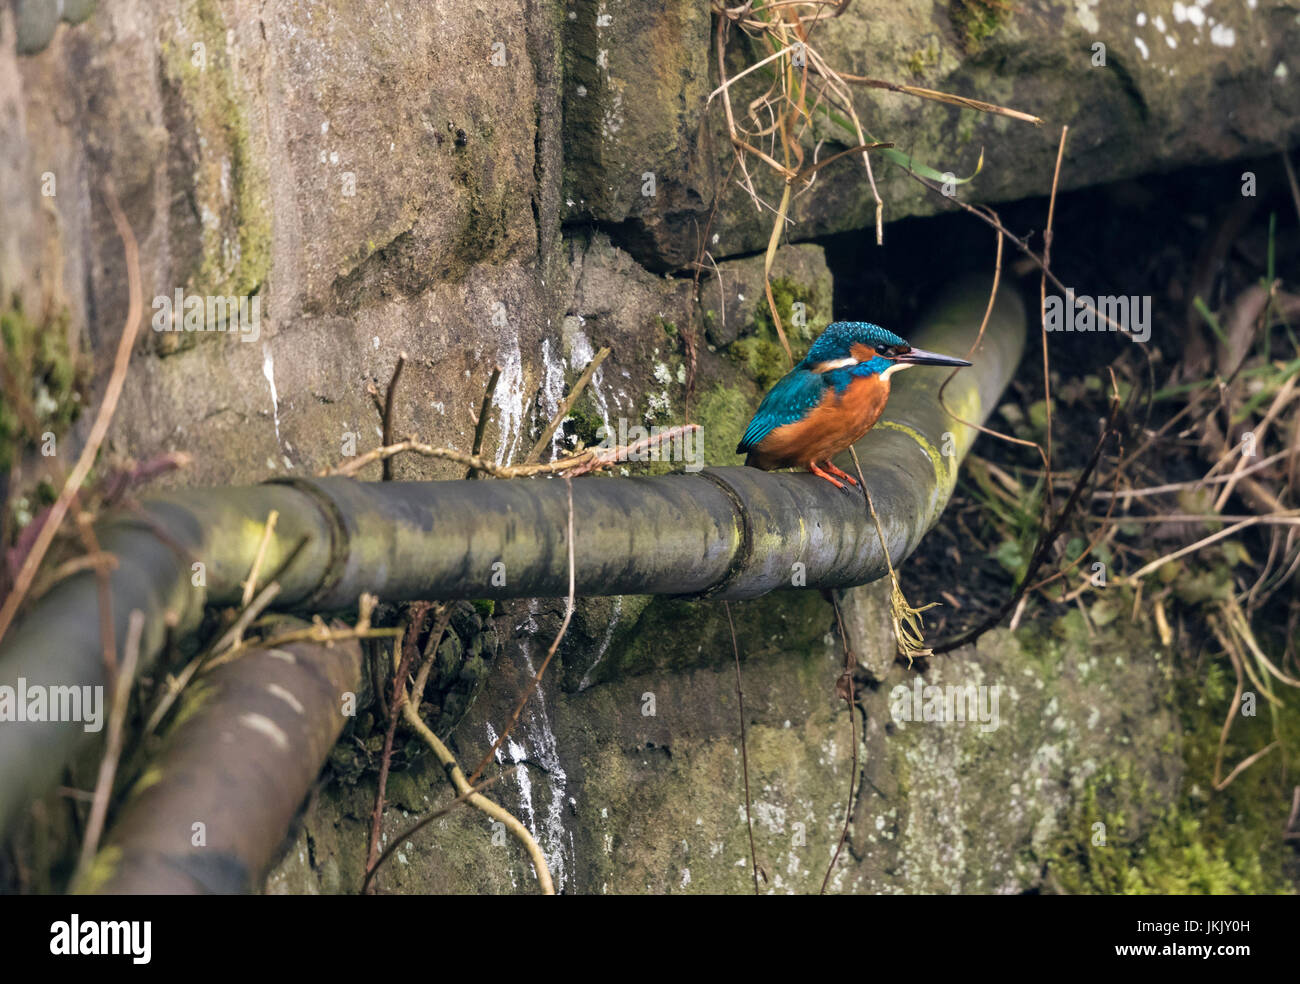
(102, 869)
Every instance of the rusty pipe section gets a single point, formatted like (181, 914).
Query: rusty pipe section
(727, 532)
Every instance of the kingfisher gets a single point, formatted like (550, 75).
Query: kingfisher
(826, 403)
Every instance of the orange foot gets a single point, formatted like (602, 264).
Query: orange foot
(830, 467)
(812, 467)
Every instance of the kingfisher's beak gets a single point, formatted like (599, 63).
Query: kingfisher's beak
(920, 357)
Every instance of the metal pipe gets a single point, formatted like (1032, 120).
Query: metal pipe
(249, 739)
(725, 532)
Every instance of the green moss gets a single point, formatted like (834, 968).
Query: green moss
(923, 58)
(584, 423)
(976, 20)
(1207, 842)
(804, 311)
(229, 184)
(723, 413)
(102, 869)
(1176, 854)
(800, 330)
(762, 359)
(42, 379)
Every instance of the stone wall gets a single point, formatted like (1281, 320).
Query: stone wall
(465, 182)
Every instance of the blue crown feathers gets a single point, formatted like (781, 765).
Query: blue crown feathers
(836, 341)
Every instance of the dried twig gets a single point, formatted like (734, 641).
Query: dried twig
(389, 400)
(219, 653)
(847, 684)
(1204, 542)
(1045, 539)
(1291, 181)
(113, 747)
(536, 453)
(415, 620)
(964, 102)
(98, 431)
(909, 627)
(744, 749)
(480, 425)
(107, 635)
(250, 585)
(1042, 310)
(511, 823)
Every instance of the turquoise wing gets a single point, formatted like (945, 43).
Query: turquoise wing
(794, 395)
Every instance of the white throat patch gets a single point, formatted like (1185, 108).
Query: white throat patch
(834, 364)
(894, 368)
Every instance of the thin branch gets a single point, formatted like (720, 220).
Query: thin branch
(480, 426)
(536, 453)
(481, 802)
(408, 642)
(175, 685)
(1196, 483)
(1193, 547)
(113, 748)
(1042, 308)
(909, 627)
(1290, 179)
(744, 751)
(389, 401)
(807, 173)
(847, 679)
(944, 97)
(250, 585)
(112, 393)
(1045, 539)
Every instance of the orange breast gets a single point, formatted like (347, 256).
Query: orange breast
(837, 423)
